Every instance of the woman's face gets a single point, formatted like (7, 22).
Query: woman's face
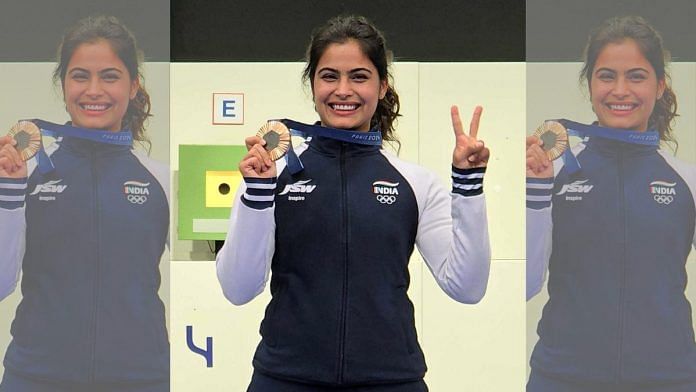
(97, 87)
(346, 87)
(624, 87)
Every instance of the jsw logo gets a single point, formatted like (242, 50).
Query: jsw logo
(576, 187)
(298, 187)
(49, 187)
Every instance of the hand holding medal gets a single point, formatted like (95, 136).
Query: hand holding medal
(18, 146)
(548, 143)
(271, 143)
(469, 152)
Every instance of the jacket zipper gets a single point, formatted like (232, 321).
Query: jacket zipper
(344, 298)
(97, 254)
(622, 285)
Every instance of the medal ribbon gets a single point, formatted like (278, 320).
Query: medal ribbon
(372, 138)
(647, 138)
(121, 138)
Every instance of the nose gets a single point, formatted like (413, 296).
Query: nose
(344, 88)
(93, 87)
(621, 87)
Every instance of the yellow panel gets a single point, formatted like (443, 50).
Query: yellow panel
(220, 187)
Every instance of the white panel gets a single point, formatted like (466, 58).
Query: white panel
(477, 347)
(499, 88)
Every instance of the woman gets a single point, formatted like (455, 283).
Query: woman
(88, 235)
(338, 235)
(617, 318)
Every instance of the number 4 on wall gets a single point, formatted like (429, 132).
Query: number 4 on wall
(207, 353)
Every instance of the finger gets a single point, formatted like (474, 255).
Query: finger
(532, 164)
(456, 121)
(475, 119)
(533, 140)
(6, 164)
(479, 156)
(252, 164)
(262, 154)
(484, 155)
(11, 153)
(252, 140)
(540, 156)
(7, 139)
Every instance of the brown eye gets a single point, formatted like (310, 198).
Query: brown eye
(605, 76)
(79, 76)
(111, 77)
(637, 76)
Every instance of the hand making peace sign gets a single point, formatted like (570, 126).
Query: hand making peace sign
(469, 152)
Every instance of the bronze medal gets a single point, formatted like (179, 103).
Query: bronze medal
(554, 136)
(277, 137)
(28, 138)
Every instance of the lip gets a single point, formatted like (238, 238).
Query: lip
(343, 107)
(621, 108)
(94, 108)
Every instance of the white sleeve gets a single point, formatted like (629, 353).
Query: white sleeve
(161, 173)
(539, 232)
(453, 236)
(244, 262)
(687, 172)
(12, 232)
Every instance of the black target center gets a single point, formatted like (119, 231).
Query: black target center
(224, 188)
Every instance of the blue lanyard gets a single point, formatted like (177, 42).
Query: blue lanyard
(371, 138)
(121, 138)
(647, 138)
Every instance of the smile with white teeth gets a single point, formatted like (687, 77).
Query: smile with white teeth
(94, 107)
(622, 107)
(343, 106)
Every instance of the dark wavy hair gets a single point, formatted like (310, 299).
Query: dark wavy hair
(649, 41)
(339, 30)
(92, 29)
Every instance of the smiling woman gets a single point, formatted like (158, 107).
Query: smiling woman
(344, 97)
(614, 231)
(97, 87)
(624, 87)
(88, 233)
(339, 278)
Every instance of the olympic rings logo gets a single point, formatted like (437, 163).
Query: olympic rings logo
(384, 199)
(662, 199)
(137, 199)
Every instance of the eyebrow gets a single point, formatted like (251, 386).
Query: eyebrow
(630, 70)
(78, 69)
(351, 71)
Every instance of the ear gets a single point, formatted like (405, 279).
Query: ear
(135, 86)
(661, 85)
(383, 86)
